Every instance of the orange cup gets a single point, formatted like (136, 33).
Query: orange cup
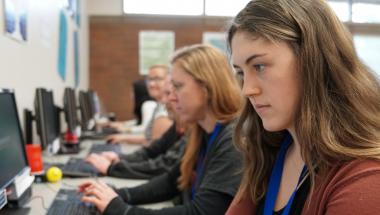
(33, 152)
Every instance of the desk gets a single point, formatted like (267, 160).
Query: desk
(44, 193)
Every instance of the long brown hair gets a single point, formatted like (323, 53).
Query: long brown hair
(338, 117)
(211, 68)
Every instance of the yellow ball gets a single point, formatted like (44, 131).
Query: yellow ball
(53, 174)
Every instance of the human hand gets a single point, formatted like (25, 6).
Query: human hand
(99, 162)
(101, 124)
(119, 126)
(111, 156)
(117, 138)
(97, 193)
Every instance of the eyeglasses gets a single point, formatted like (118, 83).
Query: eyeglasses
(154, 79)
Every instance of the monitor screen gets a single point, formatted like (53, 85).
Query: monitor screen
(70, 109)
(46, 117)
(12, 152)
(94, 101)
(85, 109)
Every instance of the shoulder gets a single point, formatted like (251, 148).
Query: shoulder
(161, 111)
(149, 104)
(226, 131)
(354, 185)
(225, 138)
(355, 170)
(244, 206)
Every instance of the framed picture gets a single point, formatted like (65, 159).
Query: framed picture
(155, 47)
(215, 39)
(16, 12)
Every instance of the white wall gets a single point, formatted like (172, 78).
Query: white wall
(24, 66)
(105, 7)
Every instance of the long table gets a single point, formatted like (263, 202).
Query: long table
(43, 194)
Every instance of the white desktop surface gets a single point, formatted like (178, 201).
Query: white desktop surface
(43, 194)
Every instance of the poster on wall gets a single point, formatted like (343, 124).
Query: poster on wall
(62, 44)
(69, 24)
(155, 47)
(15, 12)
(73, 10)
(76, 59)
(215, 39)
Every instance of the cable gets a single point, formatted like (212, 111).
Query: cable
(69, 185)
(51, 188)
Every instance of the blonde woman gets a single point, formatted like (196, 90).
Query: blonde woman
(159, 121)
(207, 96)
(310, 130)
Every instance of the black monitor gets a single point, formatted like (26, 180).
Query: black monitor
(28, 126)
(12, 151)
(85, 107)
(95, 103)
(70, 109)
(47, 118)
(98, 110)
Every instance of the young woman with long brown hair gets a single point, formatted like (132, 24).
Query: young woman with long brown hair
(310, 129)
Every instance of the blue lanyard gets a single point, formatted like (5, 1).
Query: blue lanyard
(202, 154)
(275, 179)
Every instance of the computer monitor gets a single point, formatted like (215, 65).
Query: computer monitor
(12, 151)
(85, 107)
(70, 109)
(95, 104)
(28, 126)
(47, 120)
(98, 110)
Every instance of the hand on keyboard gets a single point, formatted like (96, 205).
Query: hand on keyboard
(111, 156)
(99, 162)
(97, 193)
(68, 202)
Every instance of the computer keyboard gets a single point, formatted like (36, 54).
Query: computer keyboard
(68, 202)
(109, 130)
(77, 167)
(97, 148)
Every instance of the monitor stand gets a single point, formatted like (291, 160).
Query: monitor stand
(69, 148)
(54, 147)
(70, 144)
(20, 191)
(15, 211)
(3, 198)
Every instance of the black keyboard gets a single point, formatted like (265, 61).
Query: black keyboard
(77, 167)
(97, 148)
(109, 131)
(68, 202)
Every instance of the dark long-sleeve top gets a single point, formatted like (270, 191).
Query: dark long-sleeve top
(216, 187)
(151, 167)
(150, 161)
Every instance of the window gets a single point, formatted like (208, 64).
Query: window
(341, 9)
(366, 13)
(229, 8)
(167, 7)
(360, 11)
(368, 47)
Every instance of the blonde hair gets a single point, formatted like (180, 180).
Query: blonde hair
(338, 118)
(209, 67)
(160, 66)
